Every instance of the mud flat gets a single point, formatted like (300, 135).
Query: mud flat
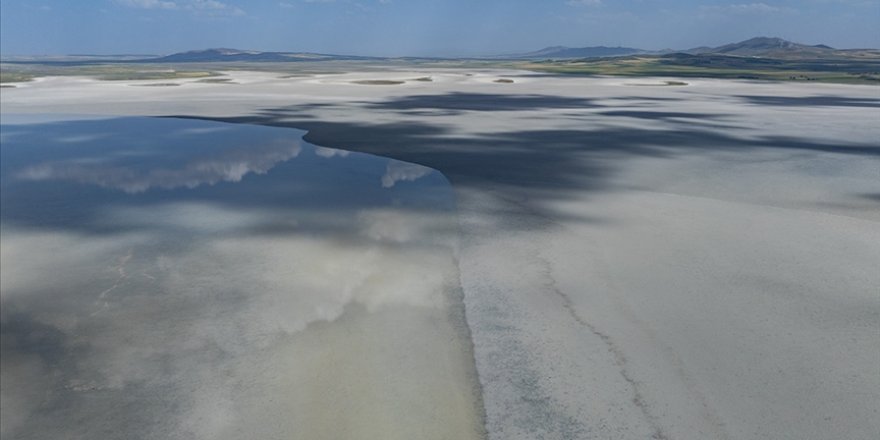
(637, 262)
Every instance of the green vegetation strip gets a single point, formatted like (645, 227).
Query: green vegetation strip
(861, 69)
(836, 71)
(13, 77)
(108, 72)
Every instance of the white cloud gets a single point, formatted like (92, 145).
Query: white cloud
(148, 4)
(214, 7)
(743, 8)
(583, 2)
(206, 7)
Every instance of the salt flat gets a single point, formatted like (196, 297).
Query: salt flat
(638, 260)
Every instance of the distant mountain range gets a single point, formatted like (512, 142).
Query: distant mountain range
(755, 47)
(765, 47)
(762, 47)
(560, 52)
(231, 55)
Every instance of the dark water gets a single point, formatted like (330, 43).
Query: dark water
(62, 174)
(166, 278)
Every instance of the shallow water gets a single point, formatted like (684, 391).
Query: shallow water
(169, 278)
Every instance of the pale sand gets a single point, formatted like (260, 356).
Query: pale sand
(678, 262)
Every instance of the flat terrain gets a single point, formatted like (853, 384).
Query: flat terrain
(858, 68)
(809, 65)
(639, 259)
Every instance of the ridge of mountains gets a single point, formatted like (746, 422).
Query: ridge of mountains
(754, 47)
(560, 52)
(759, 47)
(769, 47)
(231, 55)
(765, 46)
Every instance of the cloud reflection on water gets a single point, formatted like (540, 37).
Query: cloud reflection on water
(398, 171)
(330, 152)
(204, 314)
(230, 166)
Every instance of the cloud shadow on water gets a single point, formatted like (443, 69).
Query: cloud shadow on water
(535, 167)
(811, 101)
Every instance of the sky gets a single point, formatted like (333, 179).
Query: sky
(422, 27)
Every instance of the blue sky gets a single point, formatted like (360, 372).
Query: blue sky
(422, 27)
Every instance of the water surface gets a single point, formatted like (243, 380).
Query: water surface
(168, 278)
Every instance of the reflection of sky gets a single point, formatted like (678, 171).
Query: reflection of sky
(398, 171)
(330, 152)
(167, 278)
(226, 166)
(159, 160)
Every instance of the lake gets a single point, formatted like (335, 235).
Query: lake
(174, 278)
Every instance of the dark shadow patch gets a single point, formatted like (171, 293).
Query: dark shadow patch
(22, 335)
(483, 102)
(654, 115)
(811, 101)
(378, 82)
(644, 98)
(533, 167)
